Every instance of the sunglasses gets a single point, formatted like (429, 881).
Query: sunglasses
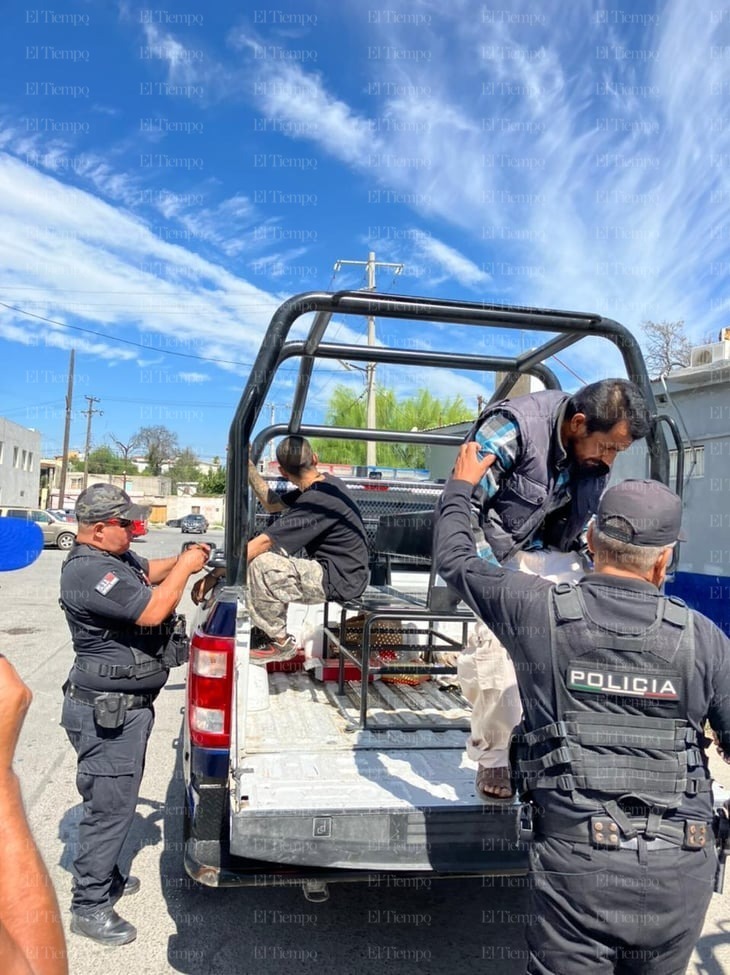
(122, 522)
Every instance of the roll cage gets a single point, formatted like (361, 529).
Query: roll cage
(569, 328)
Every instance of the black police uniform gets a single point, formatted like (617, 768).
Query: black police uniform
(616, 683)
(102, 595)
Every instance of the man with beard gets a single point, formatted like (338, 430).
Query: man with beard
(553, 454)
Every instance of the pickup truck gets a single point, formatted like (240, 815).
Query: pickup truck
(330, 766)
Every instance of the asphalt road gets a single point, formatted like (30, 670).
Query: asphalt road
(407, 927)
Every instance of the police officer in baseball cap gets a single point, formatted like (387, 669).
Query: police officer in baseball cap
(617, 682)
(120, 610)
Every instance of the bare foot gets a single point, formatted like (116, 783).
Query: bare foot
(494, 783)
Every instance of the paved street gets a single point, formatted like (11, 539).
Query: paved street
(408, 927)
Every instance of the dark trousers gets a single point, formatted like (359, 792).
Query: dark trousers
(634, 912)
(108, 777)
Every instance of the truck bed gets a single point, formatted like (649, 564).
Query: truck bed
(303, 712)
(315, 789)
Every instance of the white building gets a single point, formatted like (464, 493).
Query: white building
(20, 470)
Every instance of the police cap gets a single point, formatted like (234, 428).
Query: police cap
(640, 513)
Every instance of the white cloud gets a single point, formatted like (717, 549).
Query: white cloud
(585, 181)
(305, 110)
(91, 261)
(453, 264)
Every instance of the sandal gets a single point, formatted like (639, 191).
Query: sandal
(494, 784)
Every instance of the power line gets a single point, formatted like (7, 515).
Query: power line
(115, 338)
(139, 345)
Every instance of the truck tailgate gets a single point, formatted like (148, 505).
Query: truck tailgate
(313, 789)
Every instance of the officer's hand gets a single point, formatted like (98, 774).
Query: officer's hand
(468, 466)
(15, 700)
(195, 557)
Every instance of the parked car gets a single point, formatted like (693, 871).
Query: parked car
(173, 522)
(194, 523)
(55, 531)
(61, 514)
(139, 528)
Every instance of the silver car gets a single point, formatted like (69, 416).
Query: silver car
(56, 532)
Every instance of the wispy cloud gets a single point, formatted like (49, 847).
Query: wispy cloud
(95, 262)
(582, 162)
(453, 264)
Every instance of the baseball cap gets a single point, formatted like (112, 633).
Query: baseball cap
(640, 513)
(100, 502)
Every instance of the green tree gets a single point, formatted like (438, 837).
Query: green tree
(102, 460)
(160, 444)
(422, 411)
(185, 468)
(213, 483)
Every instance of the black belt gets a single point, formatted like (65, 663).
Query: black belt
(144, 669)
(603, 833)
(91, 697)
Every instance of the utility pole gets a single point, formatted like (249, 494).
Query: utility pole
(272, 407)
(272, 452)
(370, 265)
(66, 431)
(88, 413)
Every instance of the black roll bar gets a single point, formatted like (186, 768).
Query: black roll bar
(570, 326)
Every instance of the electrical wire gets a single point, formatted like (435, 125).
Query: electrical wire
(139, 345)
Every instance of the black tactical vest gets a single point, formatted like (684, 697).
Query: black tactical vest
(621, 709)
(146, 662)
(515, 513)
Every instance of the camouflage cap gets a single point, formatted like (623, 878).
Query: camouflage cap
(100, 502)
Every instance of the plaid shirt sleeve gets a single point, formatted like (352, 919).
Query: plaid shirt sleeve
(499, 435)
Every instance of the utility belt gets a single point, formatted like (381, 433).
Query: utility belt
(115, 671)
(174, 652)
(604, 833)
(110, 707)
(622, 832)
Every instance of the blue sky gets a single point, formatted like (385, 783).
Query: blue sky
(168, 176)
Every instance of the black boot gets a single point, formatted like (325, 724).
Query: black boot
(123, 887)
(104, 926)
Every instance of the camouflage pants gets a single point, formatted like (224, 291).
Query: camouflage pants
(274, 581)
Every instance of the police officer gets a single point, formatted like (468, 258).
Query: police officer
(120, 610)
(616, 683)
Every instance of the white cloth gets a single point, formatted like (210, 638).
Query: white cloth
(486, 674)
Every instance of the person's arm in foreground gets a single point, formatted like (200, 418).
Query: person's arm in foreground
(31, 933)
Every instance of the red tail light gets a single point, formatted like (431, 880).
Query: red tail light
(210, 690)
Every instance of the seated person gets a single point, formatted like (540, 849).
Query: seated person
(321, 517)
